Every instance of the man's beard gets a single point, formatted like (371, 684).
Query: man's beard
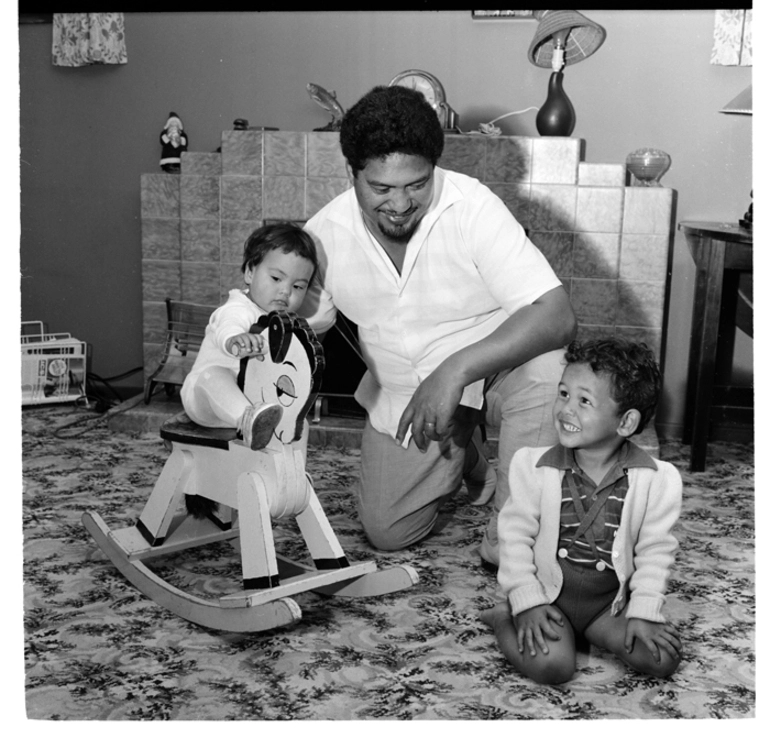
(398, 233)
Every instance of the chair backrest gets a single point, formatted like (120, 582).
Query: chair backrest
(187, 323)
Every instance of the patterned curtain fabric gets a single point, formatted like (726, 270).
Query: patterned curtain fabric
(80, 39)
(732, 38)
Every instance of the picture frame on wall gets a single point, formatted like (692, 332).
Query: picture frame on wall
(503, 14)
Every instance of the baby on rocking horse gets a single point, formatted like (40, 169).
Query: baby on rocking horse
(279, 262)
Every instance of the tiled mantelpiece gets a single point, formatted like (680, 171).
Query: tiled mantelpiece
(607, 242)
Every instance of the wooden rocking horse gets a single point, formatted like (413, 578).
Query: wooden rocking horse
(241, 491)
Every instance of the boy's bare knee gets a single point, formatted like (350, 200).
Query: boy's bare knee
(666, 667)
(556, 667)
(647, 665)
(552, 671)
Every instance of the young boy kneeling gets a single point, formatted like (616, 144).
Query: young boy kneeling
(586, 543)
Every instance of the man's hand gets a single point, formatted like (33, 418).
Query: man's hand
(533, 626)
(431, 408)
(654, 636)
(545, 325)
(246, 344)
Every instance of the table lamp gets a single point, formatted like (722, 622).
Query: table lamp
(742, 104)
(562, 37)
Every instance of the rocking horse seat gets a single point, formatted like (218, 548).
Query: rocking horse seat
(183, 430)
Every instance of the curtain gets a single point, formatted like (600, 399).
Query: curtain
(80, 39)
(732, 38)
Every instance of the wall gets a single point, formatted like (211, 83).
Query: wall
(88, 134)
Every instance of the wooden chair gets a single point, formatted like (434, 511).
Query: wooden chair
(186, 326)
(244, 490)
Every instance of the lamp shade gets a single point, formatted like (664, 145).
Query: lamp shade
(584, 37)
(741, 103)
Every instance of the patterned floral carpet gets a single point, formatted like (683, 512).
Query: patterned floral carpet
(96, 649)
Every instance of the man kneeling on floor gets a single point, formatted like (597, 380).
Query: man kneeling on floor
(458, 313)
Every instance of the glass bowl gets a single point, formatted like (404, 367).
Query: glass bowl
(648, 166)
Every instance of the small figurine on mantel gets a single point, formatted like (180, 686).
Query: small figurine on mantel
(173, 140)
(328, 101)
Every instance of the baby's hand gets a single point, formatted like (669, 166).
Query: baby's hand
(654, 636)
(246, 344)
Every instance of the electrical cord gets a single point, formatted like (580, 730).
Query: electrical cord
(67, 430)
(106, 408)
(101, 402)
(344, 329)
(490, 129)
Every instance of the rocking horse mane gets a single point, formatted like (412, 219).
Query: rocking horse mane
(282, 327)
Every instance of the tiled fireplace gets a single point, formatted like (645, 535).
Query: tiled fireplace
(609, 243)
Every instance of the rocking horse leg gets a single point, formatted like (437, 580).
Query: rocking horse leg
(328, 554)
(165, 498)
(318, 534)
(260, 567)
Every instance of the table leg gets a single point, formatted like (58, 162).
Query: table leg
(703, 347)
(723, 372)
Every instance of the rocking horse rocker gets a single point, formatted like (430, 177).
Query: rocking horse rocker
(233, 492)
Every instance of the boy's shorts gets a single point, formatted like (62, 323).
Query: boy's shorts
(585, 594)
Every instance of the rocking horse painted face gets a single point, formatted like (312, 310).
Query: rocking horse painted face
(290, 375)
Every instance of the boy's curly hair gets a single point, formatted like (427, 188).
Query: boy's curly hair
(283, 236)
(390, 120)
(634, 374)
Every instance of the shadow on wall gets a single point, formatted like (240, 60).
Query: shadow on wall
(609, 244)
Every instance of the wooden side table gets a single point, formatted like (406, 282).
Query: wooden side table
(721, 251)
